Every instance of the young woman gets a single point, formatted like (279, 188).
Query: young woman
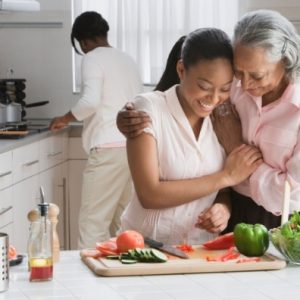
(177, 164)
(109, 78)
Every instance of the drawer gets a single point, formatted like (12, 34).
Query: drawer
(6, 169)
(26, 160)
(53, 150)
(6, 207)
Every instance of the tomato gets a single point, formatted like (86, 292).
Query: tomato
(185, 248)
(107, 247)
(91, 253)
(224, 241)
(12, 252)
(129, 239)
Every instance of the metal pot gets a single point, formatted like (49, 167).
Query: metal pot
(2, 114)
(13, 112)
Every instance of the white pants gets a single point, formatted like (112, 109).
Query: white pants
(106, 190)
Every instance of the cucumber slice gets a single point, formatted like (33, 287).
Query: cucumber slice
(128, 261)
(112, 257)
(158, 256)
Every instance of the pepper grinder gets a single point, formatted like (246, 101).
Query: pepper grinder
(53, 212)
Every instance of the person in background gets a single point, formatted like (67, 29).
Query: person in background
(266, 96)
(177, 164)
(109, 79)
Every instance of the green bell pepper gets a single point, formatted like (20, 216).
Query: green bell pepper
(251, 240)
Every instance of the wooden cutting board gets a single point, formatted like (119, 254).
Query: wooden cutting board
(197, 263)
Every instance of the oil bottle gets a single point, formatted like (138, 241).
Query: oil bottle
(40, 256)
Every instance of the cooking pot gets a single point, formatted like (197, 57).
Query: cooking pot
(2, 114)
(15, 111)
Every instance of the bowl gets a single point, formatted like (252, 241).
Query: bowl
(289, 247)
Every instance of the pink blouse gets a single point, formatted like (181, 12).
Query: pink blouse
(273, 128)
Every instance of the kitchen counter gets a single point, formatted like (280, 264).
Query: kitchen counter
(74, 129)
(73, 280)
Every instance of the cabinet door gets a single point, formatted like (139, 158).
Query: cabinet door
(75, 172)
(26, 196)
(54, 182)
(6, 213)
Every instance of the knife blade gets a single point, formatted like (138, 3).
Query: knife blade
(165, 248)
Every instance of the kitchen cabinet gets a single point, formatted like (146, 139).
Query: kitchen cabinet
(77, 162)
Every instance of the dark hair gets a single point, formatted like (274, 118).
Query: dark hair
(88, 25)
(206, 43)
(170, 76)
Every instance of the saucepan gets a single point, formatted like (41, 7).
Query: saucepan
(15, 111)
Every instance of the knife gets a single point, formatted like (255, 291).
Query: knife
(165, 248)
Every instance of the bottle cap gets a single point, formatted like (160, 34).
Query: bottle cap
(43, 206)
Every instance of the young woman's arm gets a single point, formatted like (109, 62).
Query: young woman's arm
(154, 193)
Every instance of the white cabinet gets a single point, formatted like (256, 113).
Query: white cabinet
(54, 182)
(77, 162)
(25, 198)
(6, 213)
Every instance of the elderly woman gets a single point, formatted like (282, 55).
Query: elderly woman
(266, 95)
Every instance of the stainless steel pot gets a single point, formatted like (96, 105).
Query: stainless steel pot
(13, 112)
(2, 114)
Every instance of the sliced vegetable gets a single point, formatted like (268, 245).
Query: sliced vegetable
(231, 254)
(147, 255)
(251, 240)
(12, 252)
(129, 239)
(224, 241)
(185, 248)
(91, 253)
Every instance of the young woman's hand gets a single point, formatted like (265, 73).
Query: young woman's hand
(241, 163)
(215, 218)
(131, 122)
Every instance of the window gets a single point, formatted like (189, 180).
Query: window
(147, 29)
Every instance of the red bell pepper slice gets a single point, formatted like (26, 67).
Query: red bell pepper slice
(222, 242)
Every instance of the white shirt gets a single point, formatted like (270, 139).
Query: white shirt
(181, 156)
(110, 78)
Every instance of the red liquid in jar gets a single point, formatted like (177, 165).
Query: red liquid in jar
(41, 269)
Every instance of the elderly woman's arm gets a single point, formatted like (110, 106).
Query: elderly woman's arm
(227, 126)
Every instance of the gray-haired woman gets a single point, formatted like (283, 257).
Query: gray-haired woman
(266, 96)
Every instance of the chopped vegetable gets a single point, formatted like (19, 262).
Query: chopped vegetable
(224, 241)
(228, 255)
(12, 252)
(251, 240)
(147, 255)
(185, 248)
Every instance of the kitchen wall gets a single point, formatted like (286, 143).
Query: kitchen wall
(37, 47)
(39, 50)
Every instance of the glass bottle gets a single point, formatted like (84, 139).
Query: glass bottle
(40, 257)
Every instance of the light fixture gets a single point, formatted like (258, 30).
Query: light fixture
(19, 5)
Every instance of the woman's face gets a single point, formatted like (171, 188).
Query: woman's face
(258, 76)
(204, 85)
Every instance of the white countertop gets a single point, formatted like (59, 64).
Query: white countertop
(73, 280)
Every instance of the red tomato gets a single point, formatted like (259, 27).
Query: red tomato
(129, 239)
(225, 241)
(91, 253)
(12, 252)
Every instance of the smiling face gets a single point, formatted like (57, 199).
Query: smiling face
(259, 77)
(204, 85)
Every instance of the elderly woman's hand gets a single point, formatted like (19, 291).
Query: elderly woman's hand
(131, 122)
(227, 126)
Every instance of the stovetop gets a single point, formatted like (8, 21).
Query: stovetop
(21, 129)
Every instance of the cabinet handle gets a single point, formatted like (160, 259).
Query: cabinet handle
(30, 163)
(4, 210)
(66, 215)
(54, 153)
(5, 173)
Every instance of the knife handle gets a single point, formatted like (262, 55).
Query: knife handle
(153, 243)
